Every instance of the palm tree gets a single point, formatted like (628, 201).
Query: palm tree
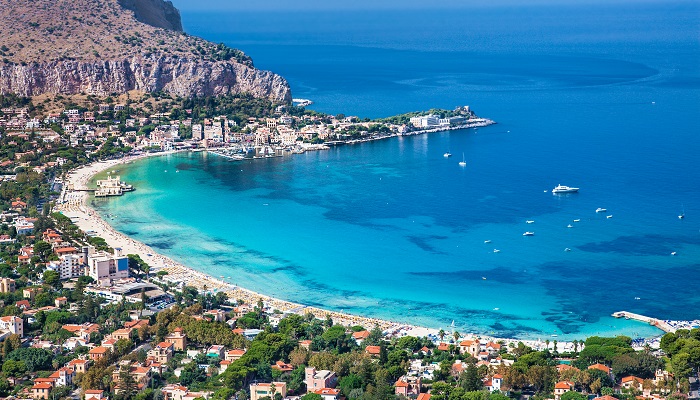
(456, 335)
(441, 334)
(546, 342)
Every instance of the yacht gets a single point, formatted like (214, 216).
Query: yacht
(529, 234)
(463, 163)
(569, 226)
(564, 189)
(448, 154)
(496, 251)
(600, 210)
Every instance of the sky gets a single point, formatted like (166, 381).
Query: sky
(245, 5)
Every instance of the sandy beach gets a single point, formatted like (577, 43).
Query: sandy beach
(74, 204)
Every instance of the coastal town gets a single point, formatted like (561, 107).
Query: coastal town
(89, 313)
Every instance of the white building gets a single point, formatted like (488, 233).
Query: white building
(425, 121)
(104, 266)
(68, 266)
(12, 324)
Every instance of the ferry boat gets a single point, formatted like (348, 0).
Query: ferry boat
(564, 189)
(529, 234)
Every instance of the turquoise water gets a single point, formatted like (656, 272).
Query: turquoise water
(392, 229)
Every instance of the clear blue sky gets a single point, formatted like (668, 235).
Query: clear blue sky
(207, 5)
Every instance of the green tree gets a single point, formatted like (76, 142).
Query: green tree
(572, 395)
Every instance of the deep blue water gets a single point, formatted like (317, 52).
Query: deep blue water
(605, 98)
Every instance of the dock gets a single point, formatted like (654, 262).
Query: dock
(663, 325)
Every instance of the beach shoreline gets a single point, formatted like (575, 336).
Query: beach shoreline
(75, 205)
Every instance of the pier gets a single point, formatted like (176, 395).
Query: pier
(663, 325)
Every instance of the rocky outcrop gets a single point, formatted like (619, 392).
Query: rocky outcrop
(174, 75)
(158, 13)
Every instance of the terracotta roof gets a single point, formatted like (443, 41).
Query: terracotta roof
(423, 396)
(372, 349)
(94, 391)
(327, 391)
(600, 367)
(360, 335)
(563, 385)
(606, 397)
(498, 376)
(98, 350)
(632, 378)
(401, 383)
(42, 386)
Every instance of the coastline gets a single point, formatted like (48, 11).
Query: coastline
(88, 219)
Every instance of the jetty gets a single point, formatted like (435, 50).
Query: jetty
(112, 186)
(661, 324)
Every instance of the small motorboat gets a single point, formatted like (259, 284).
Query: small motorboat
(577, 220)
(487, 241)
(609, 216)
(448, 154)
(529, 221)
(496, 251)
(673, 253)
(567, 249)
(529, 234)
(600, 210)
(569, 226)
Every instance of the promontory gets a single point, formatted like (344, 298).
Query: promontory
(101, 47)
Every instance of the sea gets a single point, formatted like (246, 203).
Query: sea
(604, 97)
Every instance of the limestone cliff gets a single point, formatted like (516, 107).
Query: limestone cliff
(105, 46)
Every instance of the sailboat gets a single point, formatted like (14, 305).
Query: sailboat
(463, 163)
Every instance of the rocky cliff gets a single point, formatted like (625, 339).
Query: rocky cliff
(181, 77)
(103, 46)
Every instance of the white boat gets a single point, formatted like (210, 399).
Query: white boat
(448, 154)
(600, 210)
(577, 220)
(567, 249)
(529, 221)
(682, 214)
(564, 189)
(673, 253)
(609, 216)
(569, 226)
(637, 298)
(463, 163)
(529, 234)
(487, 241)
(496, 251)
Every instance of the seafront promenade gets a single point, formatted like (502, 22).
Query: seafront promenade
(668, 326)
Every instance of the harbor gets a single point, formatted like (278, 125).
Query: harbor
(667, 326)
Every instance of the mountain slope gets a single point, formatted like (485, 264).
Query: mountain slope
(101, 47)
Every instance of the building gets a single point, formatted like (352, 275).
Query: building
(494, 384)
(260, 390)
(216, 351)
(79, 365)
(472, 347)
(41, 390)
(233, 355)
(98, 353)
(282, 366)
(425, 121)
(408, 386)
(63, 377)
(12, 324)
(94, 394)
(7, 285)
(68, 266)
(601, 367)
(104, 266)
(178, 339)
(360, 336)
(562, 387)
(163, 352)
(319, 379)
(632, 382)
(328, 393)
